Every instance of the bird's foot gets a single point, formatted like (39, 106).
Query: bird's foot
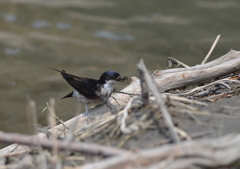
(87, 115)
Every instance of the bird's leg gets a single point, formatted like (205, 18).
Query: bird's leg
(109, 104)
(87, 113)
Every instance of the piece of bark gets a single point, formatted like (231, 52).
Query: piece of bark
(165, 80)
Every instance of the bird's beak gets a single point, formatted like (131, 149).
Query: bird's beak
(122, 78)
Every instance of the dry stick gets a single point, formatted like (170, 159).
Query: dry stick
(211, 49)
(89, 148)
(70, 136)
(202, 87)
(131, 94)
(173, 60)
(52, 122)
(123, 127)
(181, 99)
(49, 108)
(144, 86)
(31, 113)
(193, 135)
(152, 86)
(224, 84)
(32, 110)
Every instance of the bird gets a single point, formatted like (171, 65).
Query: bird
(87, 90)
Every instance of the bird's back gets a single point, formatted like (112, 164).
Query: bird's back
(87, 87)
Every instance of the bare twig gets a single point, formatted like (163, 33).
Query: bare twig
(183, 134)
(31, 114)
(52, 123)
(211, 49)
(14, 154)
(153, 87)
(209, 84)
(144, 86)
(224, 84)
(52, 114)
(115, 100)
(172, 61)
(182, 99)
(124, 117)
(131, 94)
(193, 136)
(89, 148)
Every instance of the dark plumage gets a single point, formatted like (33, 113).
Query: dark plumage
(89, 90)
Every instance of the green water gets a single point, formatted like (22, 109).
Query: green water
(89, 37)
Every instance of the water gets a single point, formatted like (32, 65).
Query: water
(114, 36)
(89, 37)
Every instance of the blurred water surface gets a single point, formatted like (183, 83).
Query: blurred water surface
(87, 37)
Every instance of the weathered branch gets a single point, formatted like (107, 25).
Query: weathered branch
(211, 49)
(211, 153)
(152, 86)
(74, 146)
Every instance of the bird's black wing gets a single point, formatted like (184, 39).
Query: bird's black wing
(85, 86)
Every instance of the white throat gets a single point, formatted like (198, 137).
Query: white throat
(109, 84)
(107, 89)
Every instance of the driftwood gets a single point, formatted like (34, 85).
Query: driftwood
(73, 146)
(165, 80)
(161, 103)
(211, 153)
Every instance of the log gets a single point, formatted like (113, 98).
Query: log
(165, 80)
(200, 154)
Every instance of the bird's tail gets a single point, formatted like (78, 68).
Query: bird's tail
(63, 72)
(67, 96)
(66, 75)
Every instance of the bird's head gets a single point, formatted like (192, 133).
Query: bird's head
(112, 77)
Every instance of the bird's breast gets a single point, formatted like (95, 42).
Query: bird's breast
(98, 100)
(106, 90)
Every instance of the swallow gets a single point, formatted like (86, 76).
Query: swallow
(87, 90)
